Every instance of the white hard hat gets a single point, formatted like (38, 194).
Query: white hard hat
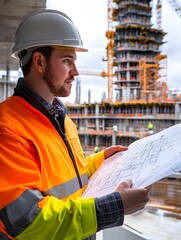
(46, 28)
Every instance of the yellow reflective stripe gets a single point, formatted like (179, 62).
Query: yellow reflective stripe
(59, 220)
(65, 189)
(20, 213)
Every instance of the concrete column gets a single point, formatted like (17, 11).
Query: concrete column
(177, 110)
(97, 140)
(85, 120)
(97, 116)
(154, 110)
(114, 134)
(112, 109)
(85, 140)
(85, 110)
(103, 124)
(128, 72)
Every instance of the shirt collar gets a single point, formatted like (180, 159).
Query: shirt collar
(56, 107)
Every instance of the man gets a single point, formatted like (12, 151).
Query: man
(96, 149)
(43, 169)
(150, 127)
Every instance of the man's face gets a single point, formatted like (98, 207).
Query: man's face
(60, 72)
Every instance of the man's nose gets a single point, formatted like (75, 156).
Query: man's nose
(74, 71)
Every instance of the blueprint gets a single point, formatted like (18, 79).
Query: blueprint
(146, 161)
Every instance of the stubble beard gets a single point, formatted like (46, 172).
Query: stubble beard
(57, 91)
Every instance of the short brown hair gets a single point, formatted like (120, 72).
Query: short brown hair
(45, 51)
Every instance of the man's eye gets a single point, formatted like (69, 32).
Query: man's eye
(66, 61)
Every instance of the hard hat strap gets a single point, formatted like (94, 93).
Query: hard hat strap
(27, 56)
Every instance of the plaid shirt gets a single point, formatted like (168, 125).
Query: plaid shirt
(109, 208)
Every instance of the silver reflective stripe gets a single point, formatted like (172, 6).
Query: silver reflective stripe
(65, 189)
(20, 213)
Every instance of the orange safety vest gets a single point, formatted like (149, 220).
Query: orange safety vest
(36, 164)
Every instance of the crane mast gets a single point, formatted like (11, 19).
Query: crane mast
(159, 14)
(110, 51)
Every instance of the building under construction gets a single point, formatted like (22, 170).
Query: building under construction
(139, 74)
(136, 52)
(137, 69)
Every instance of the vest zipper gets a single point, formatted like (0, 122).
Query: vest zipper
(64, 137)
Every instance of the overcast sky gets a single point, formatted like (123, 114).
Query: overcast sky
(90, 17)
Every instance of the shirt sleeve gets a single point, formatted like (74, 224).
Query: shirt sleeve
(110, 211)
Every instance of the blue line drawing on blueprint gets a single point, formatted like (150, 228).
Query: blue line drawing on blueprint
(146, 161)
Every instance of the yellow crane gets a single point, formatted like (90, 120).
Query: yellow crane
(110, 54)
(110, 51)
(159, 14)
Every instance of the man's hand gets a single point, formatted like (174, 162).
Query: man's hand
(109, 151)
(133, 199)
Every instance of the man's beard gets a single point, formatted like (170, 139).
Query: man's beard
(57, 91)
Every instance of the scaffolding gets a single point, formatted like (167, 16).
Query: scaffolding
(153, 78)
(133, 39)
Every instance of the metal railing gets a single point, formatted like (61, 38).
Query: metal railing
(125, 232)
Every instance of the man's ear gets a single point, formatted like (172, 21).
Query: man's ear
(38, 61)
